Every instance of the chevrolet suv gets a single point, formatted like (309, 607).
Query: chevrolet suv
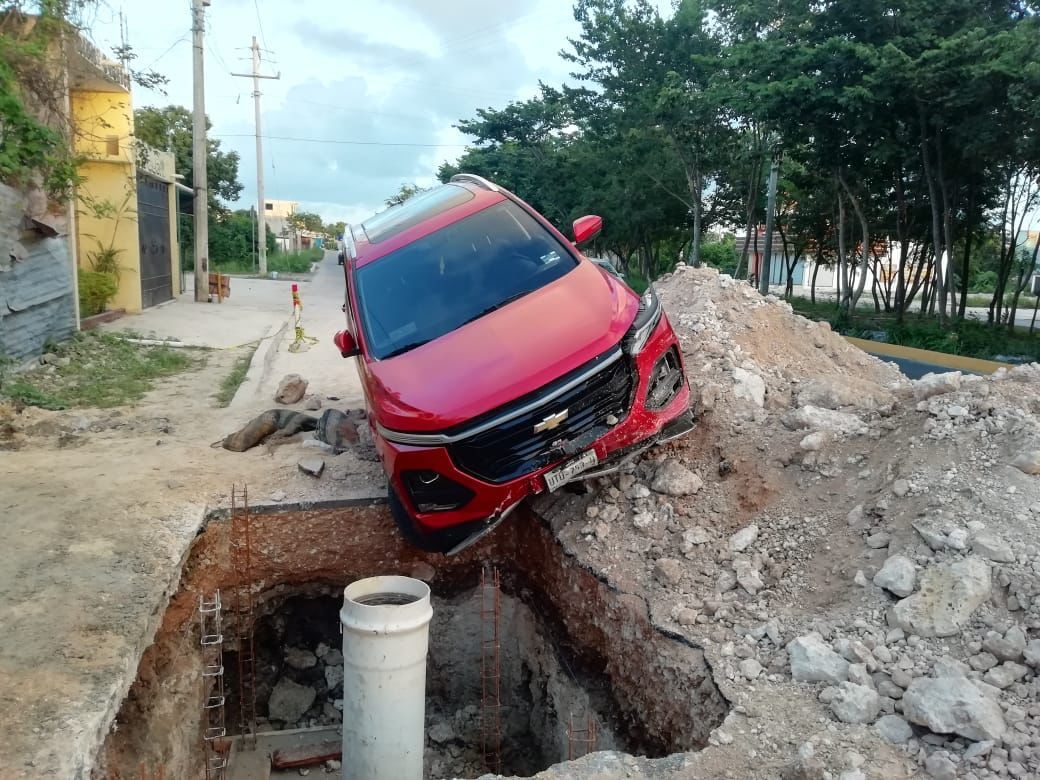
(497, 361)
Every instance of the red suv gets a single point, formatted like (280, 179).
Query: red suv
(497, 361)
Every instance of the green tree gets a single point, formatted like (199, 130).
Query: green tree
(169, 129)
(305, 220)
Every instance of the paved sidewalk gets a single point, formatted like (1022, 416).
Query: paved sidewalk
(318, 361)
(256, 308)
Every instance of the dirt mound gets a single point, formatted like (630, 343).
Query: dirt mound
(847, 546)
(768, 352)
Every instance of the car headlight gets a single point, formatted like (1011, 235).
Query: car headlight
(646, 320)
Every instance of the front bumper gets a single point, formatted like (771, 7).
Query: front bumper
(643, 425)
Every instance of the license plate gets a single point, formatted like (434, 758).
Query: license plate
(561, 476)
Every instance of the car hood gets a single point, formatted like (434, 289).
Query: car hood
(503, 355)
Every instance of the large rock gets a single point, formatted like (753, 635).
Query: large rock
(1009, 647)
(1028, 462)
(674, 479)
(936, 384)
(894, 729)
(855, 703)
(836, 391)
(289, 701)
(814, 418)
(743, 538)
(814, 661)
(1032, 652)
(301, 659)
(949, 593)
(290, 389)
(992, 547)
(898, 576)
(953, 705)
(749, 387)
(333, 676)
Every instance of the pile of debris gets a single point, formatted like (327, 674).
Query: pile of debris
(856, 553)
(309, 691)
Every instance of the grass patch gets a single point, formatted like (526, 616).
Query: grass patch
(96, 370)
(968, 338)
(234, 380)
(282, 262)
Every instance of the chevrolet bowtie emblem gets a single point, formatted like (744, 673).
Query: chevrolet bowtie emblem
(550, 422)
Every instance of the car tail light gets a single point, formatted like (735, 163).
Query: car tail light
(433, 492)
(666, 380)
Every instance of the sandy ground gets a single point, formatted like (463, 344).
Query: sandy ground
(99, 508)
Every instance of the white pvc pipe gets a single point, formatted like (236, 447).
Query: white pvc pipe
(385, 638)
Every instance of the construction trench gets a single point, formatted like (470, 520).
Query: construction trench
(577, 665)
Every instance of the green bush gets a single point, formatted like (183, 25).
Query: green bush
(96, 289)
(984, 281)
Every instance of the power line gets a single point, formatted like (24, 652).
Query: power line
(170, 48)
(260, 22)
(338, 141)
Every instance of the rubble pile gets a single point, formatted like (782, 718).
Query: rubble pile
(857, 553)
(309, 689)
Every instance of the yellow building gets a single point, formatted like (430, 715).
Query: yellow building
(125, 208)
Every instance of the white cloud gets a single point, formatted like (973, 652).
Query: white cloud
(375, 90)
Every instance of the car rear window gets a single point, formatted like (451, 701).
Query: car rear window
(417, 209)
(454, 276)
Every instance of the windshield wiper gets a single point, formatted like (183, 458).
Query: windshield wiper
(499, 305)
(406, 348)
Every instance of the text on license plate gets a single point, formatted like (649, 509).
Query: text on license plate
(565, 473)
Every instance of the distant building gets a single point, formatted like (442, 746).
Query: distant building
(278, 213)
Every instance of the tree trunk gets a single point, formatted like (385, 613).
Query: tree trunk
(842, 275)
(816, 269)
(1036, 307)
(904, 245)
(946, 289)
(966, 263)
(853, 296)
(753, 182)
(933, 200)
(1024, 276)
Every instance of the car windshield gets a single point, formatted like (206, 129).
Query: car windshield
(454, 276)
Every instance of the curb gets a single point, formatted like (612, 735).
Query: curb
(261, 361)
(940, 359)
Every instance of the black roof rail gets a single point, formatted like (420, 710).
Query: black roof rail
(472, 178)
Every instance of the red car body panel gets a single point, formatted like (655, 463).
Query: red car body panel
(490, 499)
(503, 355)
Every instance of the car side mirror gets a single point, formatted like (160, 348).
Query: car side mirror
(587, 228)
(344, 341)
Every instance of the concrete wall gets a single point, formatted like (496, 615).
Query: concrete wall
(104, 123)
(37, 294)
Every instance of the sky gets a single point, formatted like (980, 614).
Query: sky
(375, 85)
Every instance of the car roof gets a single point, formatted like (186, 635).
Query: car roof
(421, 215)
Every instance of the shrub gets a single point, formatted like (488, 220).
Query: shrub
(96, 289)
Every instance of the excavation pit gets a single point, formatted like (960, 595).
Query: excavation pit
(573, 650)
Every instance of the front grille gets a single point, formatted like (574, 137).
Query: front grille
(513, 449)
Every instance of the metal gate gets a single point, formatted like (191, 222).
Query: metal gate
(153, 226)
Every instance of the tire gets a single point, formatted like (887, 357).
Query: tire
(438, 542)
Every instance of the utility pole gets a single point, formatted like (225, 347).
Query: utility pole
(198, 156)
(764, 270)
(261, 206)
